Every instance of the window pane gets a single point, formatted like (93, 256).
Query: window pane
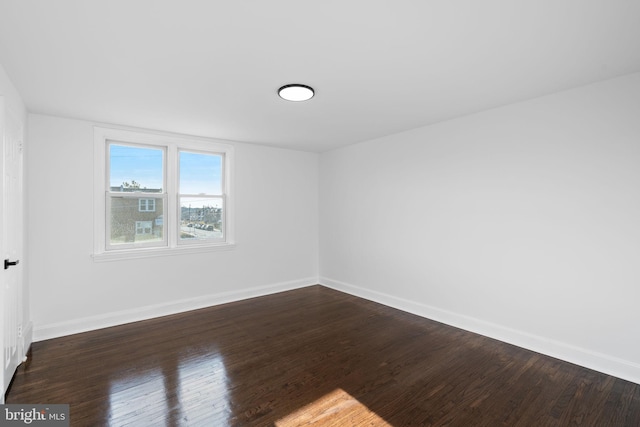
(200, 173)
(131, 225)
(135, 168)
(201, 218)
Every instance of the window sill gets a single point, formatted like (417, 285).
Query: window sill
(124, 254)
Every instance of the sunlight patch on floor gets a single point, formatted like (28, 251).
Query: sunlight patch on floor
(337, 408)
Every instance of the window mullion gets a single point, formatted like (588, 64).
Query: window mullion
(171, 185)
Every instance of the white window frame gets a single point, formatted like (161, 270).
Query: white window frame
(172, 144)
(180, 195)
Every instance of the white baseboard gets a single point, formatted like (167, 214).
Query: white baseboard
(55, 330)
(600, 362)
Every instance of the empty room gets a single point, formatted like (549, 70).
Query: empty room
(286, 213)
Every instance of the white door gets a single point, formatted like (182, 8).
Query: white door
(11, 240)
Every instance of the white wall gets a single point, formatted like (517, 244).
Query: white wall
(13, 99)
(276, 233)
(521, 223)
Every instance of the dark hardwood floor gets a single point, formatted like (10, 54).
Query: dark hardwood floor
(312, 356)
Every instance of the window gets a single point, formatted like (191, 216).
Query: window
(147, 205)
(143, 227)
(201, 198)
(157, 194)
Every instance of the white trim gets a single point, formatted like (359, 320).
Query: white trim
(27, 339)
(600, 362)
(151, 252)
(55, 330)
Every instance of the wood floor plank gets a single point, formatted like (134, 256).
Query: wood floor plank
(312, 356)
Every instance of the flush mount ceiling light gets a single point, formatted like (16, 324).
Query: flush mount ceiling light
(296, 92)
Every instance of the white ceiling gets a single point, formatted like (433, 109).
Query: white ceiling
(212, 68)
